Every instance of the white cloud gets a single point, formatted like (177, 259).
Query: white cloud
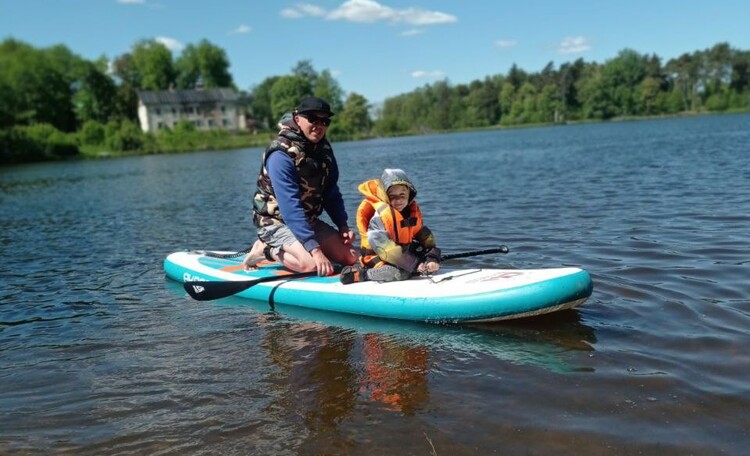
(505, 44)
(290, 13)
(362, 11)
(418, 16)
(370, 11)
(131, 2)
(171, 43)
(311, 10)
(426, 74)
(303, 10)
(241, 29)
(574, 45)
(412, 32)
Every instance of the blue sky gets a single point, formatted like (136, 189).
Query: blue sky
(386, 47)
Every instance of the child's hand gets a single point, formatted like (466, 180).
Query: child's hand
(347, 236)
(428, 267)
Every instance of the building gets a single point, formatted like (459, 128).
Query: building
(207, 109)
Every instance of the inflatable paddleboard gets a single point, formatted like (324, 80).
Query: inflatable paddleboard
(450, 296)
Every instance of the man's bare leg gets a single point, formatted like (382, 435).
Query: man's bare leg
(255, 255)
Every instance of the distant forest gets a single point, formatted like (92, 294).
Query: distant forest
(55, 104)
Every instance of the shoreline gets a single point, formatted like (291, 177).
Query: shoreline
(262, 139)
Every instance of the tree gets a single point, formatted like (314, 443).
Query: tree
(434, 106)
(516, 76)
(548, 104)
(286, 93)
(95, 97)
(126, 98)
(569, 75)
(390, 121)
(123, 67)
(718, 71)
(152, 62)
(683, 72)
(354, 118)
(206, 63)
(596, 98)
(327, 88)
(261, 102)
(37, 90)
(650, 90)
(621, 78)
(506, 97)
(740, 72)
(304, 69)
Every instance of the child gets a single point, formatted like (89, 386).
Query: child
(395, 244)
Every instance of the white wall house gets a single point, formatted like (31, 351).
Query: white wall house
(207, 109)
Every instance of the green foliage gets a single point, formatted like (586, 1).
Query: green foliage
(152, 63)
(286, 93)
(36, 86)
(36, 143)
(305, 70)
(327, 88)
(353, 120)
(124, 136)
(206, 63)
(261, 102)
(95, 98)
(92, 133)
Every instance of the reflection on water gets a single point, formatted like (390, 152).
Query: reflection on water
(101, 354)
(544, 341)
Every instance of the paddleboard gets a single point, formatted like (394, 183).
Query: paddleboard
(476, 295)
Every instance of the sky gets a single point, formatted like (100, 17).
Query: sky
(384, 48)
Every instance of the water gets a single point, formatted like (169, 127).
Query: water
(101, 354)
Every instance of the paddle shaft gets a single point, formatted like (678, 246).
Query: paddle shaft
(452, 256)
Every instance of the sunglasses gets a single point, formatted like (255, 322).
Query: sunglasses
(315, 120)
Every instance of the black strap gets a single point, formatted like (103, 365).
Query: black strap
(228, 255)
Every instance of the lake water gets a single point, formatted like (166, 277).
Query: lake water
(101, 354)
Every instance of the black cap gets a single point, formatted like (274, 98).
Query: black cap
(314, 104)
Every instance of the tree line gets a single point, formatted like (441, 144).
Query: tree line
(53, 103)
(628, 85)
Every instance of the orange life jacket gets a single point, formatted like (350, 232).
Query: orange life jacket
(402, 229)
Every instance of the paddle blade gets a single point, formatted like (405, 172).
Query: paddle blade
(207, 291)
(210, 290)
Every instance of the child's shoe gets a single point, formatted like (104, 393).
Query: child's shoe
(353, 273)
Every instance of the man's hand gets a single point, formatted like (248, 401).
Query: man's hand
(322, 263)
(347, 236)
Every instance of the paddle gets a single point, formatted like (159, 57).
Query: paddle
(452, 256)
(210, 290)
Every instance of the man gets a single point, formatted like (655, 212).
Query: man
(298, 180)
